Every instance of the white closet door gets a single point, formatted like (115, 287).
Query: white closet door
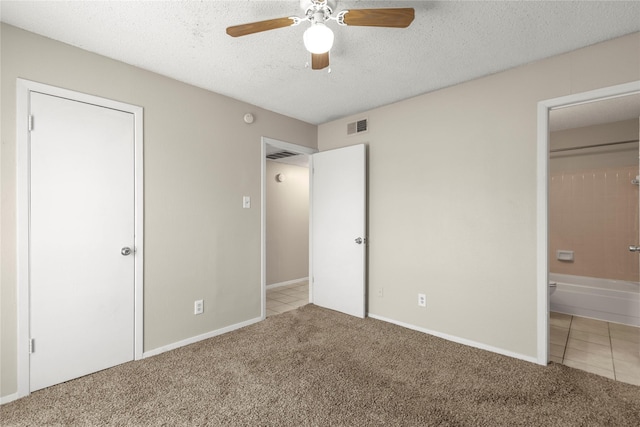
(81, 218)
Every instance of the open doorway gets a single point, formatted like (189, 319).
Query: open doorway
(545, 111)
(593, 220)
(285, 226)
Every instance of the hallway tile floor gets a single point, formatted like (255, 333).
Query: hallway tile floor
(288, 297)
(603, 348)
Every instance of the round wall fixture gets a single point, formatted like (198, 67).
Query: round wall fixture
(280, 177)
(248, 118)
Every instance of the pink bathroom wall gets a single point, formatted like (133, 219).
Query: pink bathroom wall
(594, 213)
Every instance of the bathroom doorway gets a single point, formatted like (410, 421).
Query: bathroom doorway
(544, 109)
(593, 205)
(285, 226)
(593, 220)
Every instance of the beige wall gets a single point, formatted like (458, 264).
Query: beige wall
(593, 206)
(287, 212)
(200, 159)
(452, 195)
(612, 156)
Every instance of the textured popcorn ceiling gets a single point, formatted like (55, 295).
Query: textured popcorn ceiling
(449, 42)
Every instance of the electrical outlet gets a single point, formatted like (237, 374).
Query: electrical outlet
(422, 300)
(380, 292)
(198, 307)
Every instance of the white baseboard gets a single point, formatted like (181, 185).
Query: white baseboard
(192, 340)
(459, 340)
(9, 398)
(195, 339)
(159, 350)
(288, 282)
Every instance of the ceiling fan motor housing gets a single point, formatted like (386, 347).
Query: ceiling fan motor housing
(313, 6)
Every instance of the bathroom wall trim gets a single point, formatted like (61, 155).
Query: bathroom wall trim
(542, 197)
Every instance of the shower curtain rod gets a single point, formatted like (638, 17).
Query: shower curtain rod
(557, 150)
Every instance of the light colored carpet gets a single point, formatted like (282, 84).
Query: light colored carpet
(316, 367)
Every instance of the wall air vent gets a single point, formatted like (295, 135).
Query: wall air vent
(360, 126)
(281, 155)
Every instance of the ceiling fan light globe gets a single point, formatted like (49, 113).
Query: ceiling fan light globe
(318, 38)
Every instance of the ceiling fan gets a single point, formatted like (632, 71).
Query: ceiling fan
(318, 38)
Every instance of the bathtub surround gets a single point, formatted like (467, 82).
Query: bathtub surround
(312, 366)
(593, 205)
(594, 213)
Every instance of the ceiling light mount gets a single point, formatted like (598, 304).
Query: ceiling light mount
(312, 7)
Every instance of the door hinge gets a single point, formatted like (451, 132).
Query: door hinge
(32, 346)
(30, 124)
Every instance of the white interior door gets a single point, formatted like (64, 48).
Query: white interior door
(635, 245)
(338, 215)
(81, 218)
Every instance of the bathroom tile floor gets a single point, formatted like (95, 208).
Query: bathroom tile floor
(288, 297)
(603, 348)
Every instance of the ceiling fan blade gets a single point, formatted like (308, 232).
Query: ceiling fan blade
(256, 27)
(319, 61)
(391, 17)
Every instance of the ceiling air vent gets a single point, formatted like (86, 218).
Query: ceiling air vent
(281, 155)
(357, 127)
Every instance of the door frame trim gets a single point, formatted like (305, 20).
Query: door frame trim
(542, 190)
(294, 148)
(23, 90)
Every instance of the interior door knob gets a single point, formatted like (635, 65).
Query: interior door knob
(125, 251)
